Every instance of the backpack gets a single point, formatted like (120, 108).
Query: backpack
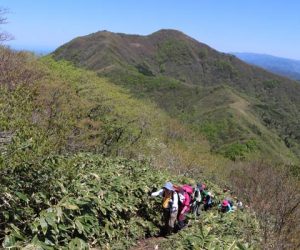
(188, 189)
(197, 195)
(184, 193)
(180, 193)
(206, 198)
(166, 200)
(185, 196)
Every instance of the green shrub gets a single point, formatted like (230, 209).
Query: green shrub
(95, 200)
(269, 84)
(216, 231)
(87, 200)
(238, 151)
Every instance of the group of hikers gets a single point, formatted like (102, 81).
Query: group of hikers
(178, 201)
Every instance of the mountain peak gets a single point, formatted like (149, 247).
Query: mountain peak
(168, 32)
(167, 52)
(162, 32)
(169, 65)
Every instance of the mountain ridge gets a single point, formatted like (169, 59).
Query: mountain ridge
(62, 175)
(176, 71)
(278, 65)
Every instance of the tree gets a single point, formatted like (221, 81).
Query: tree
(4, 36)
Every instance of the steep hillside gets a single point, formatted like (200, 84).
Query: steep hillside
(179, 73)
(78, 155)
(60, 108)
(278, 65)
(62, 180)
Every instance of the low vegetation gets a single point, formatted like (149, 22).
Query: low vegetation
(79, 155)
(49, 113)
(274, 195)
(84, 200)
(215, 230)
(78, 201)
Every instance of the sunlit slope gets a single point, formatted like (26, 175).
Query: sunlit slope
(73, 110)
(176, 72)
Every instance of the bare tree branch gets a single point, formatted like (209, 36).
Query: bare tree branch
(4, 36)
(3, 18)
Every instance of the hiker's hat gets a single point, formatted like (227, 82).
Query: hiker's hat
(200, 186)
(225, 203)
(169, 186)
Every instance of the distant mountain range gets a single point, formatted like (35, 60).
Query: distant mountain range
(239, 107)
(278, 65)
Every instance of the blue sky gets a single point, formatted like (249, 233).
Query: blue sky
(261, 26)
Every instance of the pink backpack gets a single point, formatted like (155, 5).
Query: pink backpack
(187, 199)
(188, 189)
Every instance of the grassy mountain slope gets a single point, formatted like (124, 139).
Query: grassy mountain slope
(178, 73)
(71, 110)
(55, 195)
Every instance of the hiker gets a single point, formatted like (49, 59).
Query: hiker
(170, 206)
(197, 199)
(239, 204)
(225, 206)
(207, 199)
(184, 195)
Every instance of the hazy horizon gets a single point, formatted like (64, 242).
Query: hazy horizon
(266, 27)
(45, 50)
